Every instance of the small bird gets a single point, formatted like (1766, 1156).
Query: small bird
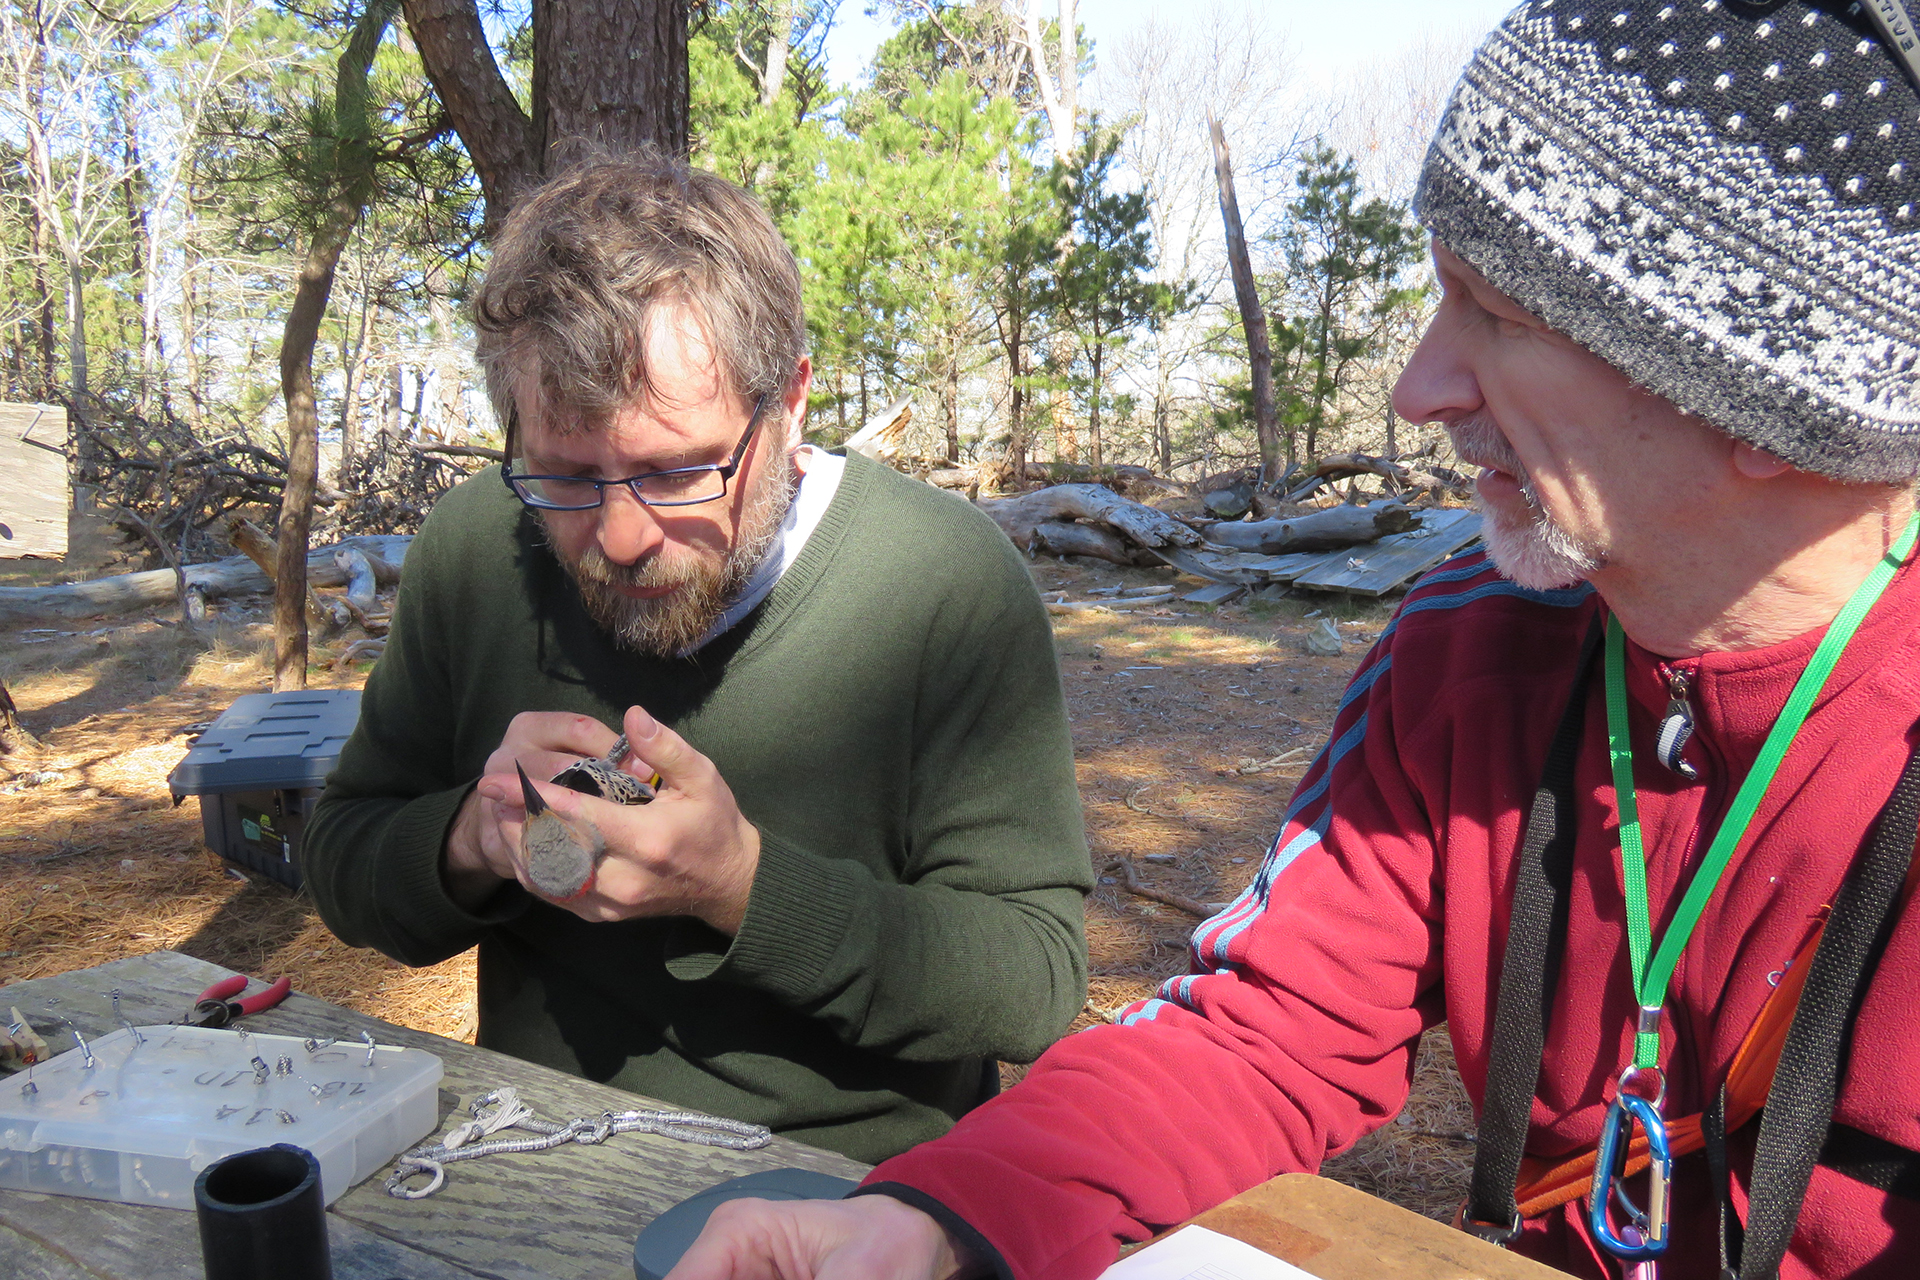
(562, 854)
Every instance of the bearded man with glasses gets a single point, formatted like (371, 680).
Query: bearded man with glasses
(859, 883)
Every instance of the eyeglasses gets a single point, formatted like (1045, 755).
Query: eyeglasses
(678, 487)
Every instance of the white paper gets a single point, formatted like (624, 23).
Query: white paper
(1195, 1253)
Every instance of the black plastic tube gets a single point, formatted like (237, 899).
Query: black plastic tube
(262, 1215)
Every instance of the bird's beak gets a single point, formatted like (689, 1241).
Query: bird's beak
(535, 805)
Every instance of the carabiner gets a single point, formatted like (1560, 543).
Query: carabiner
(1645, 1236)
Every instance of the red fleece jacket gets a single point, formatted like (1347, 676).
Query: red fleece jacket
(1382, 909)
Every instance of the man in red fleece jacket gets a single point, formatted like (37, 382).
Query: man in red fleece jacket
(1678, 333)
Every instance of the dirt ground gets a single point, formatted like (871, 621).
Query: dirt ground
(1192, 726)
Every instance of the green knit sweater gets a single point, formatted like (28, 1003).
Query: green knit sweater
(890, 718)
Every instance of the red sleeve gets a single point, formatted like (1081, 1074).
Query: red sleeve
(1290, 1039)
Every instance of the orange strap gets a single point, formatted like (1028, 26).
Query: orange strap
(1548, 1184)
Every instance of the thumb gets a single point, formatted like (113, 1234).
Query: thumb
(667, 753)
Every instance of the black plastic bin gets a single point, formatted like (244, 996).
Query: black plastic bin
(258, 770)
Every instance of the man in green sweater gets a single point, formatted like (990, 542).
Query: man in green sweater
(861, 880)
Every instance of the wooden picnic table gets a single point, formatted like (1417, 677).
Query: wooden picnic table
(570, 1213)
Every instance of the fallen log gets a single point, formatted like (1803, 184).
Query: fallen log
(1063, 538)
(126, 592)
(323, 616)
(1318, 531)
(1089, 504)
(360, 578)
(1121, 478)
(959, 479)
(1111, 605)
(1338, 466)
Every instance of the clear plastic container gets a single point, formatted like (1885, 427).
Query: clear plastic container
(156, 1108)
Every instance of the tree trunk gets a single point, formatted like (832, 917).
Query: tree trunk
(778, 43)
(951, 399)
(76, 333)
(612, 72)
(138, 253)
(1096, 453)
(495, 131)
(353, 179)
(303, 447)
(48, 342)
(1252, 318)
(1017, 442)
(190, 299)
(1162, 425)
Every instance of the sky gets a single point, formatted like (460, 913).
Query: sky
(1329, 41)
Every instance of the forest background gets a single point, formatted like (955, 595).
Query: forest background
(1014, 228)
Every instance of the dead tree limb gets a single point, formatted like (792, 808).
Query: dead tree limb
(1252, 316)
(1065, 538)
(1130, 881)
(1089, 504)
(460, 451)
(1315, 531)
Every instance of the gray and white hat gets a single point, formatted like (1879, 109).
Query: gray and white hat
(1720, 198)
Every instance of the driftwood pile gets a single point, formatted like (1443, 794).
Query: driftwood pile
(1092, 520)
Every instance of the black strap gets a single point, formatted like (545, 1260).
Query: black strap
(1529, 972)
(1713, 1128)
(1797, 1121)
(1878, 1163)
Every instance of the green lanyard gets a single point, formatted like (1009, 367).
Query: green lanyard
(1650, 979)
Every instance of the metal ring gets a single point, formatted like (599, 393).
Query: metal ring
(407, 1168)
(1659, 1098)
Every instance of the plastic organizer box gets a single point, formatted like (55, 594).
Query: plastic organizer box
(157, 1107)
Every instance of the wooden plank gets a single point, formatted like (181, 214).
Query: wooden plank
(1218, 593)
(134, 1240)
(1382, 566)
(561, 1214)
(33, 481)
(1216, 566)
(24, 1259)
(1337, 1233)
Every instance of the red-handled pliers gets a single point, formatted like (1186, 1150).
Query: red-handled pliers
(214, 1009)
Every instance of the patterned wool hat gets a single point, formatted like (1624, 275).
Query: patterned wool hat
(1719, 198)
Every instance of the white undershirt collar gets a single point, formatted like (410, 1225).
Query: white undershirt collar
(820, 474)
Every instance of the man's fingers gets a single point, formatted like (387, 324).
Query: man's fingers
(865, 1238)
(739, 1242)
(667, 753)
(557, 731)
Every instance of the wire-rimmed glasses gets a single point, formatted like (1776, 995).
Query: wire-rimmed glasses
(675, 487)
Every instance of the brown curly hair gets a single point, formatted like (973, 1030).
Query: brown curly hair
(584, 263)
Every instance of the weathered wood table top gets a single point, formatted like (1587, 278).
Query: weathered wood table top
(563, 1214)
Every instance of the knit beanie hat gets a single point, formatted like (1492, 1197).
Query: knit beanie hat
(1719, 198)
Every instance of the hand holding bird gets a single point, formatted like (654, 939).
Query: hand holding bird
(688, 852)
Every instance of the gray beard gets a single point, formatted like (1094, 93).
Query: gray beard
(1536, 553)
(703, 587)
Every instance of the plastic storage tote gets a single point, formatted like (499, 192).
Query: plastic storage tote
(258, 770)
